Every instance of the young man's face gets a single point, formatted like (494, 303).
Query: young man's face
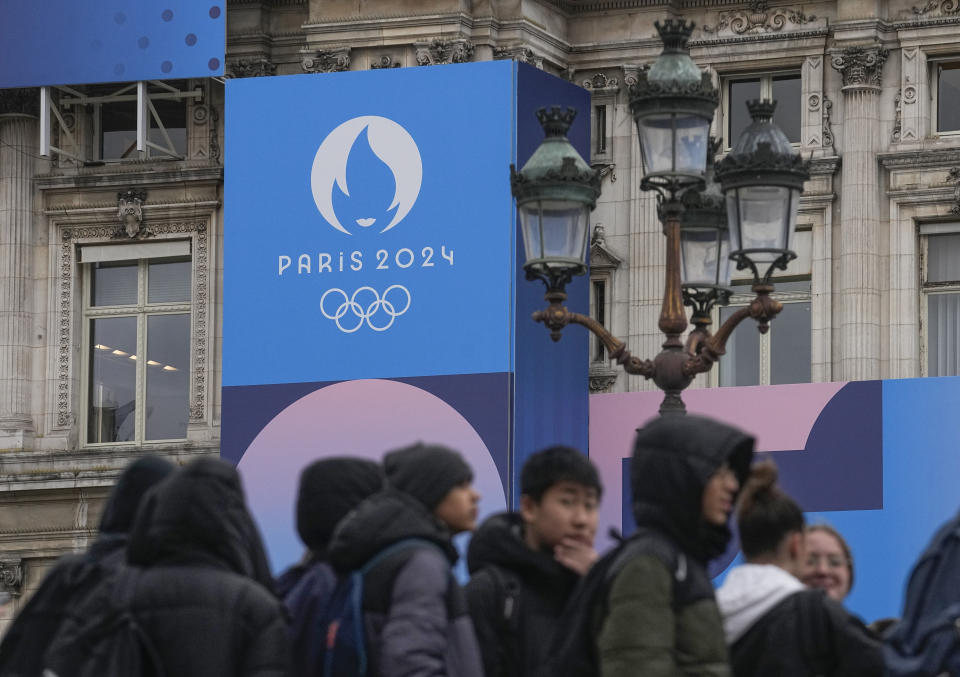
(458, 509)
(719, 495)
(566, 511)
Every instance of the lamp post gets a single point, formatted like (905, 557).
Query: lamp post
(749, 218)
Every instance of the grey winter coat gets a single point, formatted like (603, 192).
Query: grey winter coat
(416, 615)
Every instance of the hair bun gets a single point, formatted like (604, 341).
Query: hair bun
(761, 484)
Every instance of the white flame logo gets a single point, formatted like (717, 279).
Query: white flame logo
(390, 142)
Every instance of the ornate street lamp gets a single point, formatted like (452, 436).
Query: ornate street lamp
(760, 180)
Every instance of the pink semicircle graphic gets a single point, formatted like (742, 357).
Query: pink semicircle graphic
(363, 418)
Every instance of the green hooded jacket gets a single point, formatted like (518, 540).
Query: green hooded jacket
(661, 616)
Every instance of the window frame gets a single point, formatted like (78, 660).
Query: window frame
(766, 92)
(142, 310)
(933, 64)
(928, 289)
(785, 297)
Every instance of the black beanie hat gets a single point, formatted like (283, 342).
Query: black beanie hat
(329, 489)
(132, 484)
(425, 471)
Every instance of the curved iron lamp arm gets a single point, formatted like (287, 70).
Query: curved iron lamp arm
(557, 316)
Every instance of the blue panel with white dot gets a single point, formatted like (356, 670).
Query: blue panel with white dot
(64, 42)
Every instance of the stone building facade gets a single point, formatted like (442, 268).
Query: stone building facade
(869, 90)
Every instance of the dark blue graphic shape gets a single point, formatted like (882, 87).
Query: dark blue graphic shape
(371, 187)
(840, 469)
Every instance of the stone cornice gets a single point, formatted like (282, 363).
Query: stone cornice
(786, 36)
(141, 173)
(920, 159)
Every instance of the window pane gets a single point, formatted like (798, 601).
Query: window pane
(118, 126)
(948, 97)
(943, 317)
(113, 377)
(943, 258)
(740, 366)
(113, 283)
(601, 129)
(790, 344)
(600, 315)
(168, 281)
(173, 113)
(168, 372)
(741, 91)
(786, 92)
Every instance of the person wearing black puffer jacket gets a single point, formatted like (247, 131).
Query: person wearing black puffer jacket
(200, 584)
(75, 576)
(525, 565)
(776, 626)
(329, 489)
(415, 613)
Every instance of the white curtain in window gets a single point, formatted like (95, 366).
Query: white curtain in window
(943, 316)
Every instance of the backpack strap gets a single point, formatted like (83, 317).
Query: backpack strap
(508, 595)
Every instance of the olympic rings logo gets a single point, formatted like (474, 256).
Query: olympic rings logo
(366, 305)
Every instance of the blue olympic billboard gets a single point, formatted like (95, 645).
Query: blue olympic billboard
(66, 42)
(373, 281)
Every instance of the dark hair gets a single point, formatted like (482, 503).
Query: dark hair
(766, 514)
(557, 464)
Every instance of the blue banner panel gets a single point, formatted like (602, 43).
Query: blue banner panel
(69, 42)
(379, 243)
(551, 377)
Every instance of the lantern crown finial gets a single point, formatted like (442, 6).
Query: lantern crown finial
(761, 110)
(675, 33)
(556, 120)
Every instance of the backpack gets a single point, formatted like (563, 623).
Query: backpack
(573, 650)
(339, 648)
(115, 644)
(927, 640)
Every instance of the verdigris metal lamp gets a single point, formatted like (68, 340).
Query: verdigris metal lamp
(760, 181)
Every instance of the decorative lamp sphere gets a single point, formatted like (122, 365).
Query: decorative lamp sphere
(672, 105)
(704, 236)
(555, 192)
(762, 179)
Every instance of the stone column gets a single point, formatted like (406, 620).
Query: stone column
(860, 265)
(19, 146)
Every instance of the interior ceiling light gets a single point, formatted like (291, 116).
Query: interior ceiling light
(100, 346)
(169, 368)
(120, 352)
(153, 363)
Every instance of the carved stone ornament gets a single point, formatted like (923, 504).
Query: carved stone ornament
(602, 381)
(11, 577)
(250, 68)
(600, 82)
(385, 61)
(24, 101)
(758, 18)
(602, 258)
(827, 126)
(130, 212)
(327, 61)
(519, 53)
(440, 51)
(937, 7)
(954, 178)
(861, 66)
(898, 119)
(631, 73)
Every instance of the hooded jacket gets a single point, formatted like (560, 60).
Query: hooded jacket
(416, 619)
(201, 591)
(777, 627)
(648, 627)
(76, 576)
(515, 595)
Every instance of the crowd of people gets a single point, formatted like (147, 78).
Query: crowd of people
(178, 583)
